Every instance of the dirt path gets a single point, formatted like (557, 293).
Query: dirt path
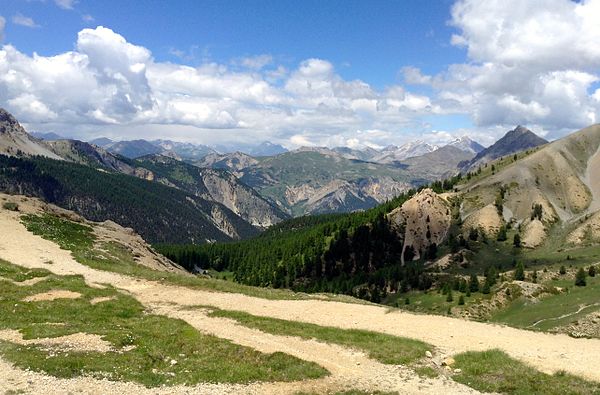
(564, 315)
(547, 352)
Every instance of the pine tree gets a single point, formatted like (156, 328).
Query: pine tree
(449, 298)
(580, 278)
(517, 240)
(534, 277)
(520, 272)
(461, 300)
(592, 271)
(486, 288)
(473, 283)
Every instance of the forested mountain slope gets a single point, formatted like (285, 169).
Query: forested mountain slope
(158, 212)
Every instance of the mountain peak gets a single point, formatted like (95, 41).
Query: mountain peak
(520, 130)
(6, 117)
(516, 140)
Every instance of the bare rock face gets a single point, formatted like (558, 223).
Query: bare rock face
(15, 141)
(224, 188)
(425, 220)
(487, 220)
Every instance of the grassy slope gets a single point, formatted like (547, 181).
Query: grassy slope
(494, 371)
(114, 257)
(550, 308)
(384, 348)
(123, 322)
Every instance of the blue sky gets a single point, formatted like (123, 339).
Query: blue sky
(301, 73)
(368, 40)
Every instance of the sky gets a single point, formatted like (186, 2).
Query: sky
(301, 73)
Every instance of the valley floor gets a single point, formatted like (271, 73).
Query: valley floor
(349, 369)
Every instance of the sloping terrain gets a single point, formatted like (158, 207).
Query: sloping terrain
(15, 141)
(425, 220)
(560, 177)
(348, 369)
(392, 154)
(436, 165)
(158, 212)
(225, 208)
(516, 140)
(295, 179)
(215, 185)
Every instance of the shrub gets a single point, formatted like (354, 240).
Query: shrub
(502, 234)
(473, 234)
(537, 212)
(592, 271)
(562, 270)
(580, 278)
(461, 300)
(12, 206)
(449, 298)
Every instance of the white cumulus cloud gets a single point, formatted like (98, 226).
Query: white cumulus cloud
(22, 20)
(107, 84)
(529, 62)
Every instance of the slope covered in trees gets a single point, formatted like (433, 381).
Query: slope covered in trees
(157, 212)
(356, 253)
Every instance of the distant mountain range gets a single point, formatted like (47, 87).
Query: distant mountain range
(187, 151)
(261, 190)
(162, 198)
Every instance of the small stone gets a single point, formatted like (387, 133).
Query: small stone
(173, 362)
(457, 370)
(448, 361)
(428, 354)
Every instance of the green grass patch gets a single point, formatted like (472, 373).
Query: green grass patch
(114, 257)
(157, 340)
(494, 371)
(432, 301)
(385, 348)
(427, 372)
(551, 308)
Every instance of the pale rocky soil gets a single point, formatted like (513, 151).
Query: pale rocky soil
(350, 369)
(587, 326)
(423, 213)
(534, 234)
(74, 342)
(52, 295)
(486, 219)
(101, 299)
(587, 232)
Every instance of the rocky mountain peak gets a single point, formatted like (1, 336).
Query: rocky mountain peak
(6, 118)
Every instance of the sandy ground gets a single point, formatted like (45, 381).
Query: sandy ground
(547, 352)
(52, 295)
(74, 342)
